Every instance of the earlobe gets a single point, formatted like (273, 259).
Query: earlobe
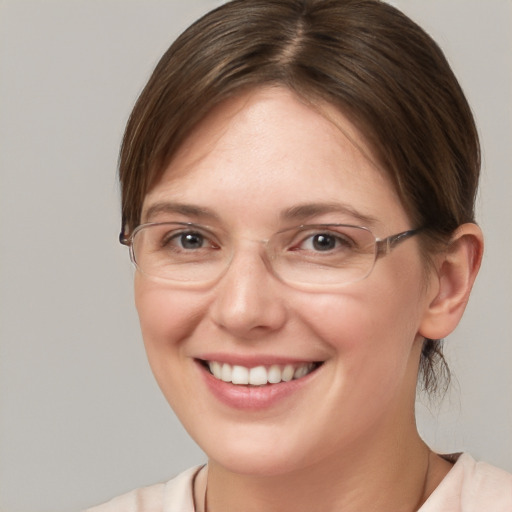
(457, 268)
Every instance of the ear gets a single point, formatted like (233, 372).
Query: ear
(451, 282)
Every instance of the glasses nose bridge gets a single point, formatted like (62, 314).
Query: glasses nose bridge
(240, 248)
(255, 241)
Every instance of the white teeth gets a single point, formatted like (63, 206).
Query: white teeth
(274, 374)
(288, 372)
(301, 371)
(258, 375)
(225, 374)
(216, 369)
(240, 375)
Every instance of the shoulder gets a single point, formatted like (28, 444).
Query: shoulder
(487, 485)
(472, 486)
(162, 497)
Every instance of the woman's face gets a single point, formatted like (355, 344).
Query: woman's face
(251, 162)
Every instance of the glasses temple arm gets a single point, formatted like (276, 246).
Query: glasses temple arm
(387, 244)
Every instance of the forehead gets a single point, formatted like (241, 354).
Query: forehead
(270, 149)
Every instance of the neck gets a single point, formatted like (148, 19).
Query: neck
(398, 479)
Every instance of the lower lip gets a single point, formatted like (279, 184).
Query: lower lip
(252, 397)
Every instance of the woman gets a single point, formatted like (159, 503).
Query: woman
(298, 183)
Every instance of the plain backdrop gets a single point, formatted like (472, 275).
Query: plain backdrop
(81, 418)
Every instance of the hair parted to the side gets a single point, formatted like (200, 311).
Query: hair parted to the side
(364, 57)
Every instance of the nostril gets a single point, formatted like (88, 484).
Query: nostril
(246, 301)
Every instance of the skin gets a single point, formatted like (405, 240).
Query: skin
(347, 439)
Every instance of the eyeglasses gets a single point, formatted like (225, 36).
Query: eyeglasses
(314, 257)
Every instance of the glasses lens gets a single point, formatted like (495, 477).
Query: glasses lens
(324, 255)
(177, 252)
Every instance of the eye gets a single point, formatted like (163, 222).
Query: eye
(324, 242)
(190, 240)
(187, 240)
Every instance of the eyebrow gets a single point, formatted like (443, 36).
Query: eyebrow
(304, 211)
(297, 213)
(188, 210)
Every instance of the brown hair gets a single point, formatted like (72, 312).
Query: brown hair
(363, 56)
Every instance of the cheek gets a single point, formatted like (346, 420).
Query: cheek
(166, 318)
(367, 320)
(372, 328)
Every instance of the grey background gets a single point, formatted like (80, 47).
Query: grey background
(81, 419)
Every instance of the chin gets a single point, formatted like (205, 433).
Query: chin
(257, 464)
(258, 455)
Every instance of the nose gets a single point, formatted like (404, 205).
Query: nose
(249, 299)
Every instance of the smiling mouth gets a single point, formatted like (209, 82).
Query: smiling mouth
(259, 375)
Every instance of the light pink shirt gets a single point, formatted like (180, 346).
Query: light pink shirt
(469, 486)
(472, 486)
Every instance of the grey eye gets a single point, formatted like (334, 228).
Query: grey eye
(191, 240)
(323, 242)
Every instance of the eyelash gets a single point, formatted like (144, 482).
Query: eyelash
(176, 240)
(340, 241)
(170, 238)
